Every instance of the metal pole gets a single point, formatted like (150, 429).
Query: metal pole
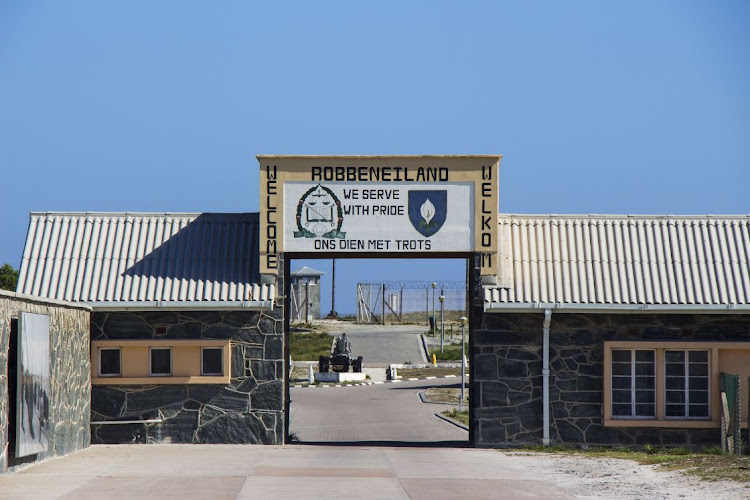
(333, 292)
(401, 303)
(463, 363)
(307, 301)
(382, 303)
(442, 325)
(434, 286)
(427, 305)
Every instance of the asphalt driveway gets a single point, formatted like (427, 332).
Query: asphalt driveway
(390, 412)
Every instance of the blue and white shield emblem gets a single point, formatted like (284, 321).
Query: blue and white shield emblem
(427, 210)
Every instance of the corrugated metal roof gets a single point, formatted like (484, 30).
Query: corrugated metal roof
(623, 260)
(140, 257)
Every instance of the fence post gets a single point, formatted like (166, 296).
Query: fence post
(382, 305)
(427, 304)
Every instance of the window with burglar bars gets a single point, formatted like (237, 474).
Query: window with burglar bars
(633, 383)
(686, 383)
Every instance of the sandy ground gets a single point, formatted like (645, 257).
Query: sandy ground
(597, 477)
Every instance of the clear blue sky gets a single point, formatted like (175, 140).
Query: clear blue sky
(597, 107)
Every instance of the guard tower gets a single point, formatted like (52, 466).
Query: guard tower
(305, 290)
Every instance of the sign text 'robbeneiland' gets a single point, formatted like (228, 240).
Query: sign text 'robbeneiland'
(379, 205)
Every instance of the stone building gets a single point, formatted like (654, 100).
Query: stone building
(67, 402)
(185, 343)
(600, 330)
(640, 315)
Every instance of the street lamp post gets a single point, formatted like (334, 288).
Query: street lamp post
(434, 286)
(442, 327)
(463, 320)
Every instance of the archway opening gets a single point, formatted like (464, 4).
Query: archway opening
(397, 314)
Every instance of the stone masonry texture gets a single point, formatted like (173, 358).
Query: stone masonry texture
(507, 375)
(70, 378)
(248, 410)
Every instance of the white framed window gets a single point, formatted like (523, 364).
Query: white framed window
(212, 361)
(633, 383)
(687, 384)
(160, 361)
(110, 362)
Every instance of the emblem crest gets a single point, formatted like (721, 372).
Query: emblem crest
(319, 214)
(427, 210)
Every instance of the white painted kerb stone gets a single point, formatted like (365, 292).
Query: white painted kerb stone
(340, 377)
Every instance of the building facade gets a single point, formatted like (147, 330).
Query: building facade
(186, 345)
(599, 330)
(640, 314)
(66, 407)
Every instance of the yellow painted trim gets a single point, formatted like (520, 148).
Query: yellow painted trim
(687, 424)
(648, 344)
(160, 380)
(186, 365)
(661, 375)
(158, 343)
(660, 346)
(675, 424)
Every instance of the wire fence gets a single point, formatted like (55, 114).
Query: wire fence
(410, 301)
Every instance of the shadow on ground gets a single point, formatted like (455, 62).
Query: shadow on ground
(389, 444)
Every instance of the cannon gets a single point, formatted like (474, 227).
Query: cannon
(341, 357)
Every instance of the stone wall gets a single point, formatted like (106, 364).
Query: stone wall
(248, 410)
(507, 375)
(70, 381)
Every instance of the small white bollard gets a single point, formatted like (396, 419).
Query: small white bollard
(310, 375)
(394, 373)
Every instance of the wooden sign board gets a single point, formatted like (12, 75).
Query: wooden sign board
(378, 205)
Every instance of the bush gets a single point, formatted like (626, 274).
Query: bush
(451, 352)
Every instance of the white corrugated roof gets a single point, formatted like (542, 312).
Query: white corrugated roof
(602, 260)
(110, 258)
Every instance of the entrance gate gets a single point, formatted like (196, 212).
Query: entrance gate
(379, 207)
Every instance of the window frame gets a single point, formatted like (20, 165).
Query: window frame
(99, 362)
(212, 374)
(716, 363)
(686, 365)
(150, 361)
(633, 402)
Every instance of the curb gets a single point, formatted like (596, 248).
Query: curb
(425, 350)
(425, 400)
(375, 383)
(451, 421)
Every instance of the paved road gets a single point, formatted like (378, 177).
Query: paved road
(279, 472)
(373, 413)
(381, 345)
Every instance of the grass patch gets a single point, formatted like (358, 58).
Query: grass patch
(459, 416)
(445, 395)
(709, 465)
(309, 346)
(299, 373)
(451, 352)
(435, 371)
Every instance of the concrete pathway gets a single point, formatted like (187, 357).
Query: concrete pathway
(381, 345)
(279, 472)
(375, 413)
